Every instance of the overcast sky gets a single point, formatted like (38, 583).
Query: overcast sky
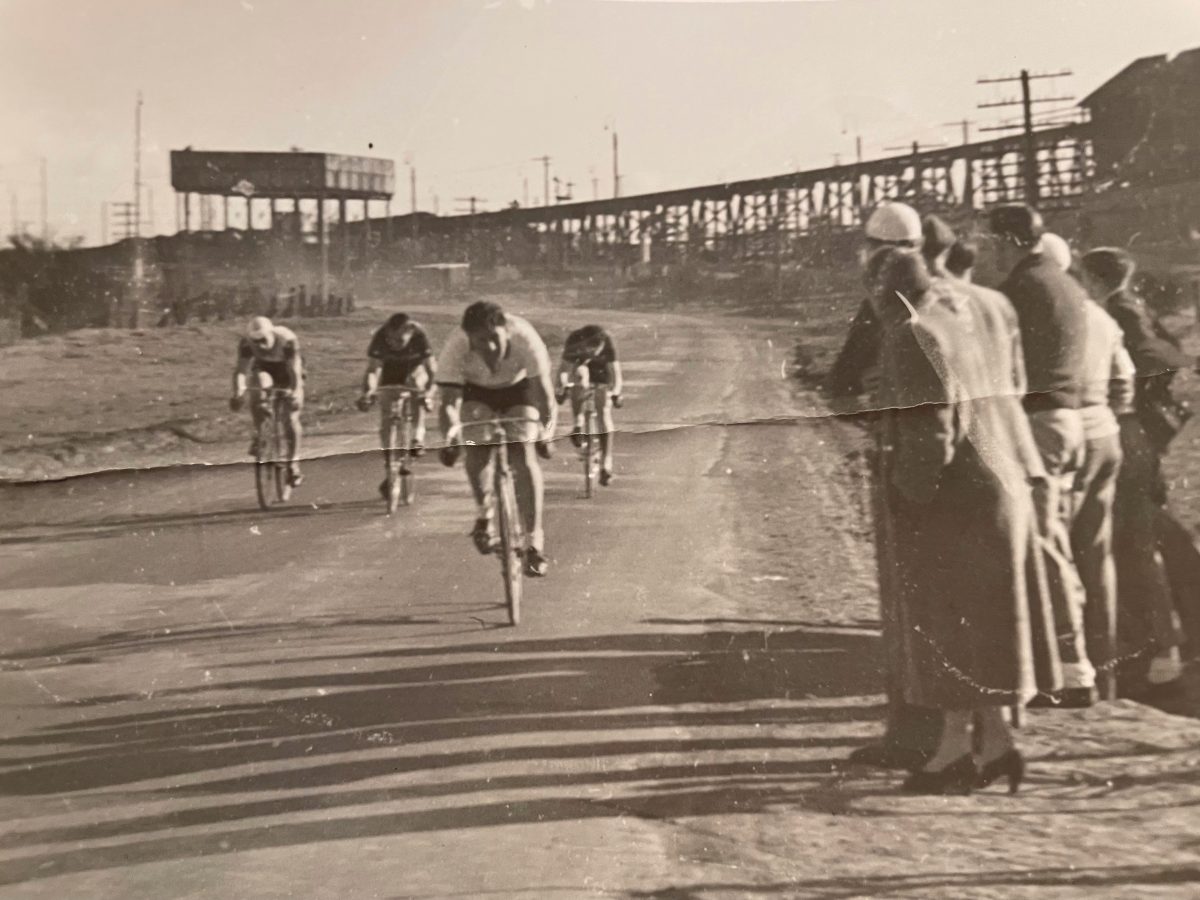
(472, 90)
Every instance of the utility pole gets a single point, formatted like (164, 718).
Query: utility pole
(472, 201)
(1029, 161)
(858, 147)
(525, 189)
(616, 167)
(45, 204)
(969, 173)
(412, 189)
(545, 161)
(103, 223)
(137, 167)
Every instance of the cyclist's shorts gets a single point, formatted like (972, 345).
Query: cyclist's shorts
(278, 372)
(402, 373)
(515, 401)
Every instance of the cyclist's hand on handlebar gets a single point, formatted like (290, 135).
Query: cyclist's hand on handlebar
(365, 402)
(617, 401)
(236, 402)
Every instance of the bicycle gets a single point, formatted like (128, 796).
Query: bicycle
(508, 516)
(270, 460)
(398, 450)
(590, 448)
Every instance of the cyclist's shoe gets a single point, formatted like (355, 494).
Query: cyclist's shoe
(364, 402)
(295, 478)
(561, 396)
(536, 564)
(449, 455)
(544, 450)
(577, 438)
(483, 536)
(417, 450)
(606, 477)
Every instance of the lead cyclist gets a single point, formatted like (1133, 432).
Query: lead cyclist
(589, 363)
(497, 366)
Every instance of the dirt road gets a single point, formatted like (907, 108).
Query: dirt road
(201, 700)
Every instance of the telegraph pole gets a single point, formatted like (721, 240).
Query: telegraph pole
(545, 161)
(137, 167)
(471, 201)
(1029, 161)
(45, 204)
(969, 173)
(616, 168)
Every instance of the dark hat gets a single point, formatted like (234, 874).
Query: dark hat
(899, 269)
(1017, 222)
(939, 236)
(961, 257)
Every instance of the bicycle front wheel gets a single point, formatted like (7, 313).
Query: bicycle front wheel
(393, 467)
(591, 447)
(283, 489)
(264, 462)
(407, 477)
(510, 545)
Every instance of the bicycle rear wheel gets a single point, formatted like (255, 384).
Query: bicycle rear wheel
(510, 544)
(264, 462)
(283, 489)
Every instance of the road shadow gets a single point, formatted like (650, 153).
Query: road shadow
(125, 526)
(676, 722)
(1102, 877)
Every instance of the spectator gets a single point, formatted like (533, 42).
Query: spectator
(1148, 620)
(961, 459)
(911, 732)
(1050, 307)
(960, 260)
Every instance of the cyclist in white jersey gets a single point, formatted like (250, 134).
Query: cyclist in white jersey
(497, 366)
(269, 356)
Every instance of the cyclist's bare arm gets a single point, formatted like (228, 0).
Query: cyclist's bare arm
(371, 377)
(614, 377)
(450, 411)
(240, 373)
(297, 370)
(543, 397)
(430, 364)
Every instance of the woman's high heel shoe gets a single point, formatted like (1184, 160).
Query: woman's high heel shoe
(1009, 763)
(959, 777)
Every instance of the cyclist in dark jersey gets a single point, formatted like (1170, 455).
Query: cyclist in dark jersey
(589, 363)
(399, 354)
(269, 356)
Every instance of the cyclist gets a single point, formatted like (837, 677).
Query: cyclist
(497, 366)
(399, 354)
(589, 363)
(270, 355)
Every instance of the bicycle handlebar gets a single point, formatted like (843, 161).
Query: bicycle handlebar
(401, 389)
(270, 391)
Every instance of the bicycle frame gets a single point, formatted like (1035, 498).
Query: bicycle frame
(270, 463)
(590, 451)
(508, 515)
(398, 445)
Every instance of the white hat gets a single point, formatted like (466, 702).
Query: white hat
(260, 327)
(894, 222)
(1054, 247)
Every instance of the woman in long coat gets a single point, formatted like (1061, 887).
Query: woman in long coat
(963, 471)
